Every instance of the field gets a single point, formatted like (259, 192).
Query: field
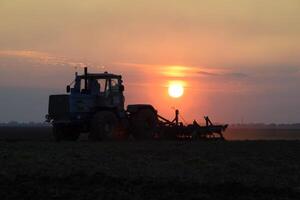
(34, 167)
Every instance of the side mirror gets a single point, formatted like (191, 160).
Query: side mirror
(68, 89)
(121, 88)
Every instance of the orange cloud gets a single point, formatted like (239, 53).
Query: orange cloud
(43, 58)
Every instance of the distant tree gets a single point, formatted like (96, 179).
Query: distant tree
(13, 123)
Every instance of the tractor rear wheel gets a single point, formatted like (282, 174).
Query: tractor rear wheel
(144, 124)
(105, 126)
(63, 132)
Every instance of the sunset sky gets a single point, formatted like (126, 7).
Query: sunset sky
(239, 61)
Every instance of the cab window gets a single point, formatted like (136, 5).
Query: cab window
(114, 84)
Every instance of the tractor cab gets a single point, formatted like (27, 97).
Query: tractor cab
(96, 84)
(96, 91)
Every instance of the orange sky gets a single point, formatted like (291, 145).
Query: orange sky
(239, 59)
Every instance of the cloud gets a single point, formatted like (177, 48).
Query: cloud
(36, 69)
(180, 71)
(237, 75)
(24, 54)
(42, 58)
(205, 73)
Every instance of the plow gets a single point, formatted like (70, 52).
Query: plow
(95, 105)
(178, 130)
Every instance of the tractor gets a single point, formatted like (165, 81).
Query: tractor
(95, 104)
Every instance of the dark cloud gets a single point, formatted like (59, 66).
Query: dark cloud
(205, 73)
(239, 75)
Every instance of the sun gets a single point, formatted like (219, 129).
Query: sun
(176, 89)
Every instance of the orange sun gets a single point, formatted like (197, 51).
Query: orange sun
(175, 89)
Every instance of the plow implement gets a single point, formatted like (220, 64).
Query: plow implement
(177, 130)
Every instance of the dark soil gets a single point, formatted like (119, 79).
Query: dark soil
(149, 170)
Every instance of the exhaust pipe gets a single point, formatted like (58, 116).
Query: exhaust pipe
(85, 79)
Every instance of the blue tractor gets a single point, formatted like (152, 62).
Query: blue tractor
(95, 105)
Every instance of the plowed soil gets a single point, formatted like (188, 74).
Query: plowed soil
(32, 166)
(43, 169)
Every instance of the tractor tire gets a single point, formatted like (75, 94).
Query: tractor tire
(144, 124)
(104, 126)
(65, 133)
(57, 133)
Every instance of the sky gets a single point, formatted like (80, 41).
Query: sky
(239, 61)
